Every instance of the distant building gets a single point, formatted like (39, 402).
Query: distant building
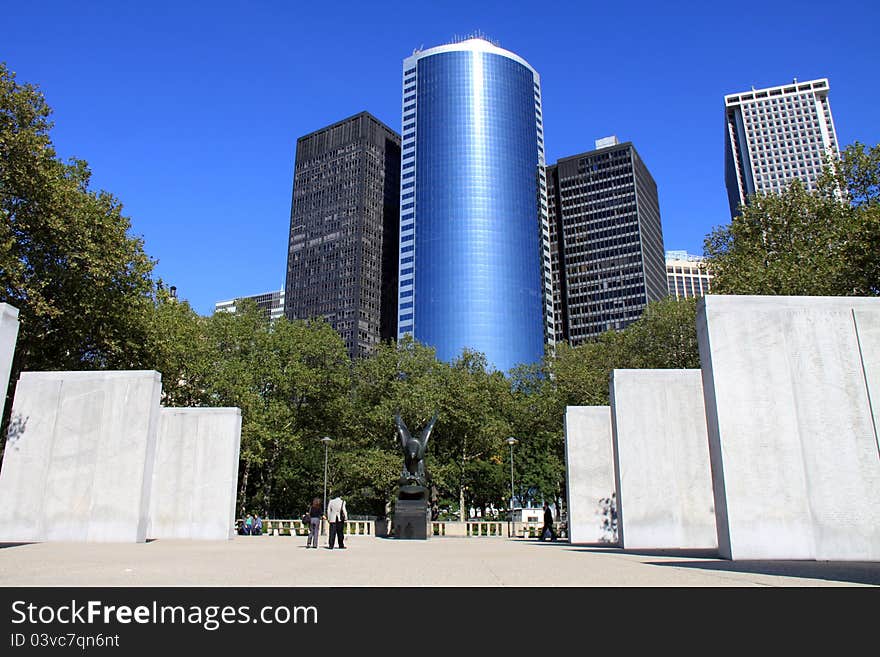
(271, 302)
(606, 254)
(342, 253)
(685, 276)
(775, 135)
(473, 204)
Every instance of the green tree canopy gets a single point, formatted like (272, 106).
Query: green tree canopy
(81, 283)
(825, 242)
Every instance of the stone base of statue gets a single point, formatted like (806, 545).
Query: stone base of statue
(412, 514)
(412, 518)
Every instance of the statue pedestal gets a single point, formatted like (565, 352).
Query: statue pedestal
(412, 519)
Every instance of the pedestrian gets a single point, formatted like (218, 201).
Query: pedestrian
(548, 523)
(258, 525)
(337, 514)
(249, 525)
(315, 514)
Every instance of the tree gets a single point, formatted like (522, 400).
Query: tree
(664, 337)
(859, 173)
(290, 379)
(80, 281)
(179, 350)
(472, 425)
(397, 378)
(825, 242)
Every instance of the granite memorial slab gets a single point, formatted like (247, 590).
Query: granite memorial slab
(195, 477)
(661, 460)
(78, 462)
(589, 460)
(791, 389)
(8, 338)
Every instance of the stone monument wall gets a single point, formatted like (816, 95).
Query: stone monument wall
(661, 460)
(589, 474)
(78, 462)
(195, 478)
(8, 338)
(792, 391)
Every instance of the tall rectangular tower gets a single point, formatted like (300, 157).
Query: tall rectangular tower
(342, 253)
(608, 263)
(775, 135)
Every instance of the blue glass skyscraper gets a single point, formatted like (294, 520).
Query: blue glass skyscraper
(474, 240)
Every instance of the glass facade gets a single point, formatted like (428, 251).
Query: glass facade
(472, 205)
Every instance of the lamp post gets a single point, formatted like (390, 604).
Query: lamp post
(326, 440)
(511, 441)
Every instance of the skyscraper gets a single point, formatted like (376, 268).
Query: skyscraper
(607, 262)
(473, 223)
(685, 276)
(272, 303)
(775, 135)
(342, 254)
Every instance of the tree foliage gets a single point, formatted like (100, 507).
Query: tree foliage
(825, 242)
(665, 337)
(81, 283)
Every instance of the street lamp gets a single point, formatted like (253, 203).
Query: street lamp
(326, 440)
(511, 441)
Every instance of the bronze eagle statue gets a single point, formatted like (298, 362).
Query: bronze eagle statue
(414, 450)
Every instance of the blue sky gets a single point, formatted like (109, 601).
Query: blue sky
(189, 112)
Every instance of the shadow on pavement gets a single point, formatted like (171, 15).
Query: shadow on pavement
(12, 545)
(860, 572)
(667, 552)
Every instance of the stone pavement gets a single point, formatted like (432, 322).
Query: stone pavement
(371, 562)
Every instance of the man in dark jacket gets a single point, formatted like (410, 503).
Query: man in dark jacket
(548, 523)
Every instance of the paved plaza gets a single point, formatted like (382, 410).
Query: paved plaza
(372, 562)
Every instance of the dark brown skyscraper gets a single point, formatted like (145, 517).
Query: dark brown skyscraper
(344, 222)
(607, 258)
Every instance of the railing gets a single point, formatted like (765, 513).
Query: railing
(533, 529)
(469, 529)
(295, 527)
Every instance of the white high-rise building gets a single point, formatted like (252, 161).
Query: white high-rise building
(685, 276)
(270, 302)
(775, 135)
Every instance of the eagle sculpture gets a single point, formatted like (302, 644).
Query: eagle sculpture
(414, 451)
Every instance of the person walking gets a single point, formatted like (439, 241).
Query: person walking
(548, 523)
(315, 514)
(337, 514)
(248, 525)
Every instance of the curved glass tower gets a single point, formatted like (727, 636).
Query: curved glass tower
(474, 237)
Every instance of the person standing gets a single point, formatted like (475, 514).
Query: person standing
(248, 525)
(337, 514)
(548, 523)
(258, 525)
(315, 514)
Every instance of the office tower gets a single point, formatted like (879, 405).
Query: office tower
(272, 303)
(775, 135)
(685, 276)
(608, 261)
(473, 227)
(342, 254)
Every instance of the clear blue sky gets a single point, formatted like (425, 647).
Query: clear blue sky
(189, 112)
